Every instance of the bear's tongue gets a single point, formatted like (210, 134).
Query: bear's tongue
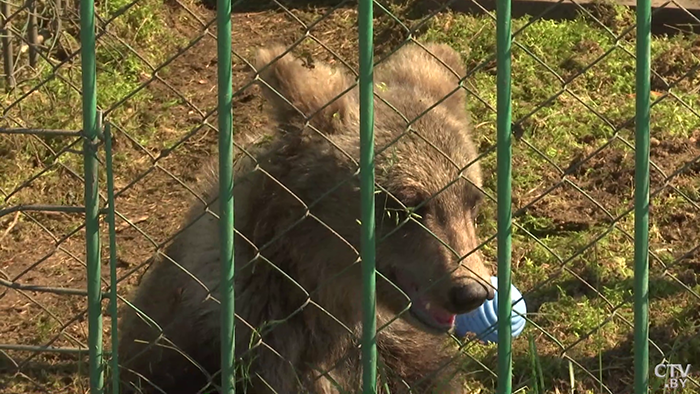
(443, 317)
(440, 315)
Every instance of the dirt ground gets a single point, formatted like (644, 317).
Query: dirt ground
(47, 249)
(609, 175)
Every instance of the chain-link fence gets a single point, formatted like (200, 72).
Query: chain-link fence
(319, 252)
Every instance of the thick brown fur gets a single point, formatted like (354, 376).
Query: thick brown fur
(297, 275)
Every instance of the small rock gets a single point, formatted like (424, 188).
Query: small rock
(695, 138)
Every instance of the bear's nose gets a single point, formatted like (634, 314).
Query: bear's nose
(469, 296)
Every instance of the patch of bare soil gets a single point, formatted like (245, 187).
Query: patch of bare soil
(677, 67)
(598, 189)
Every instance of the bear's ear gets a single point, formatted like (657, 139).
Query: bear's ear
(443, 53)
(300, 94)
(433, 69)
(448, 55)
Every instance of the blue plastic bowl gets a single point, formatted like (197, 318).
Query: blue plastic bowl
(484, 321)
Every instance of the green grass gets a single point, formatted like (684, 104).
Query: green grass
(138, 40)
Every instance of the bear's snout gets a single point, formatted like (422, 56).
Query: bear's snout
(469, 296)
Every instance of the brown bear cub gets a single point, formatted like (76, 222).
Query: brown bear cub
(297, 269)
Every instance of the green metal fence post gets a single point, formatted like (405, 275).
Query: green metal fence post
(225, 113)
(641, 199)
(111, 216)
(504, 169)
(367, 247)
(92, 220)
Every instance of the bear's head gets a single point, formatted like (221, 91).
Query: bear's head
(426, 171)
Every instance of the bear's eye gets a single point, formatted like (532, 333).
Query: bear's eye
(478, 198)
(416, 205)
(403, 212)
(401, 207)
(474, 198)
(475, 213)
(419, 211)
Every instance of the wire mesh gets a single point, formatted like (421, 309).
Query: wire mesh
(573, 187)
